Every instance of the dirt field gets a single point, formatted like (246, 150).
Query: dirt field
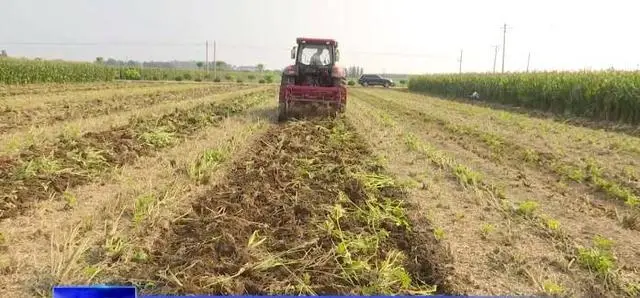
(195, 188)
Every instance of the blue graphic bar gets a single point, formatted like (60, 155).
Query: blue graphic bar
(100, 291)
(94, 291)
(323, 296)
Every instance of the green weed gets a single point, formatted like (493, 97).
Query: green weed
(632, 289)
(552, 288)
(158, 137)
(486, 229)
(573, 173)
(201, 169)
(527, 208)
(142, 207)
(386, 120)
(531, 156)
(494, 142)
(438, 233)
(598, 258)
(631, 173)
(90, 272)
(466, 176)
(114, 247)
(70, 200)
(374, 181)
(39, 166)
(552, 224)
(412, 142)
(139, 256)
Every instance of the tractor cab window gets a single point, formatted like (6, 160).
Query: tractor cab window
(315, 55)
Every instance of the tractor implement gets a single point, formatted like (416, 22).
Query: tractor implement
(314, 83)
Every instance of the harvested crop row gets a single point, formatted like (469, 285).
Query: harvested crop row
(56, 100)
(13, 143)
(308, 211)
(563, 222)
(11, 90)
(600, 176)
(547, 134)
(486, 254)
(134, 204)
(12, 119)
(46, 171)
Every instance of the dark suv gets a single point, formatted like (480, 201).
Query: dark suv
(373, 80)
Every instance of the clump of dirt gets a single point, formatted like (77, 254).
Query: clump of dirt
(46, 171)
(303, 213)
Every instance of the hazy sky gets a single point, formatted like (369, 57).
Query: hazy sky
(399, 36)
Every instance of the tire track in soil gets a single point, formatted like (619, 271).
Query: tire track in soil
(45, 172)
(306, 211)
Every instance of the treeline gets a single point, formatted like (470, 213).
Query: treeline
(200, 65)
(354, 71)
(605, 95)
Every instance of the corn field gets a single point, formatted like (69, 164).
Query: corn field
(23, 71)
(613, 96)
(19, 71)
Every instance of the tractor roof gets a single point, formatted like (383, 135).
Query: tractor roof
(300, 40)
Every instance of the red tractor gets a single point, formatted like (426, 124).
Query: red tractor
(315, 79)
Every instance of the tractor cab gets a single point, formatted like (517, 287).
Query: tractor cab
(315, 62)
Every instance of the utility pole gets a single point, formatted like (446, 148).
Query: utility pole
(206, 57)
(215, 68)
(460, 60)
(495, 57)
(528, 60)
(504, 41)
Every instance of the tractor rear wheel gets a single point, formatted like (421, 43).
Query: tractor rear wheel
(282, 112)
